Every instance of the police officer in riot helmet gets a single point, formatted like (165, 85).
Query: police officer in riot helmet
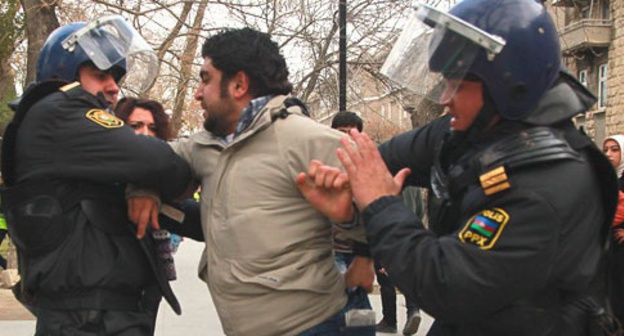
(517, 245)
(66, 161)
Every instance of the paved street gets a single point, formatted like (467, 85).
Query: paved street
(198, 314)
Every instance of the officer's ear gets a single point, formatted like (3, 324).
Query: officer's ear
(240, 84)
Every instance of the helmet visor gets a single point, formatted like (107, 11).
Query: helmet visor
(110, 41)
(435, 52)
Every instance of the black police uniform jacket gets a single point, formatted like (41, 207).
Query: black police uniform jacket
(518, 240)
(67, 162)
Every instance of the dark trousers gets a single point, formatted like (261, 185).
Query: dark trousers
(388, 297)
(616, 279)
(94, 323)
(3, 262)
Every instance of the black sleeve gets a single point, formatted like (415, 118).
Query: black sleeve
(452, 277)
(361, 249)
(191, 226)
(63, 142)
(415, 149)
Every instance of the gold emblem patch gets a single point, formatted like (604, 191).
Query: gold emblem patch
(69, 86)
(104, 119)
(484, 228)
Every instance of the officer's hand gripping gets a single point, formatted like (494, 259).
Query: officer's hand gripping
(368, 175)
(143, 210)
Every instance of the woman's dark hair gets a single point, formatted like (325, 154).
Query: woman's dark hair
(255, 54)
(125, 107)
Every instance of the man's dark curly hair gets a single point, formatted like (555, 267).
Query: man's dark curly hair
(255, 54)
(347, 119)
(126, 105)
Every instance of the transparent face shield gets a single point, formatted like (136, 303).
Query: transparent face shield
(435, 51)
(110, 41)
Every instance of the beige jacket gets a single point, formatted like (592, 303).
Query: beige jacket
(268, 260)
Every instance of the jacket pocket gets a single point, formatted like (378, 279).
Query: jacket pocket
(302, 272)
(37, 226)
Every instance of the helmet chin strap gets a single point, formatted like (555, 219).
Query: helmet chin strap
(481, 122)
(100, 97)
(459, 141)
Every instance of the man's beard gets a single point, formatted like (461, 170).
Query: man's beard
(210, 124)
(215, 126)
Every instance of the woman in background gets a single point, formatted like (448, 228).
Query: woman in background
(612, 147)
(145, 116)
(148, 117)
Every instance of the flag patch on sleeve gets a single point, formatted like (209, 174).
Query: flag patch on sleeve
(104, 118)
(484, 228)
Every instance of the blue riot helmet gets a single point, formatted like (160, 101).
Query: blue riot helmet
(55, 62)
(109, 42)
(512, 46)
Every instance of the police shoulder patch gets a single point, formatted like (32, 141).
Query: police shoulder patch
(484, 228)
(104, 118)
(494, 181)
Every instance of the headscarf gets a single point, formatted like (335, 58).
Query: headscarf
(619, 138)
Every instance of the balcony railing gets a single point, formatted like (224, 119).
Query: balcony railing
(586, 33)
(569, 3)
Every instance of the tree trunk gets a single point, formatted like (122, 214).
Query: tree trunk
(186, 65)
(11, 27)
(40, 22)
(321, 62)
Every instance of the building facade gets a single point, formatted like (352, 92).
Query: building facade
(385, 110)
(592, 43)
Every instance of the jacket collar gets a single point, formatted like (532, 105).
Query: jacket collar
(564, 100)
(262, 119)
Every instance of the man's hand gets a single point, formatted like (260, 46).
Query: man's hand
(618, 234)
(143, 210)
(361, 273)
(327, 189)
(368, 175)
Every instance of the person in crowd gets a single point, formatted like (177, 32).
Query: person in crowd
(612, 147)
(388, 324)
(502, 255)
(344, 121)
(147, 117)
(66, 162)
(268, 261)
(144, 116)
(348, 252)
(3, 229)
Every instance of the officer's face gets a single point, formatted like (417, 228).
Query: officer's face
(94, 81)
(464, 104)
(220, 112)
(142, 122)
(613, 152)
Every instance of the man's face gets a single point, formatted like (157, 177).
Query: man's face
(612, 151)
(464, 105)
(220, 111)
(94, 81)
(345, 129)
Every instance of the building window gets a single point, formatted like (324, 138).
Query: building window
(582, 77)
(606, 9)
(602, 86)
(600, 127)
